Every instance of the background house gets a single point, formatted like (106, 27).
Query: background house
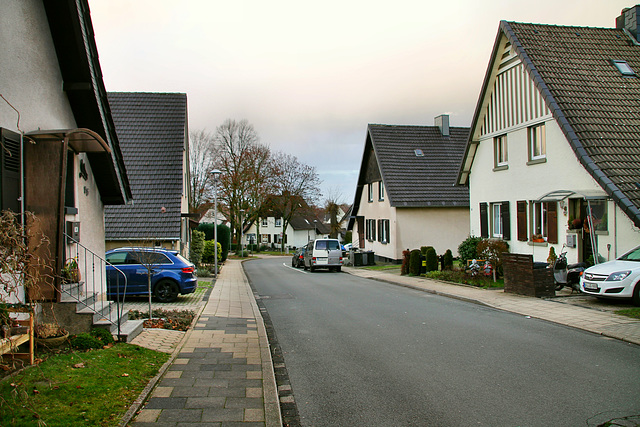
(153, 133)
(406, 195)
(300, 231)
(554, 134)
(54, 106)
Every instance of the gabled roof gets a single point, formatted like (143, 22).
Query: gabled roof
(410, 180)
(152, 129)
(72, 34)
(305, 222)
(595, 105)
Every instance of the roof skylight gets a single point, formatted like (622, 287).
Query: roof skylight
(418, 152)
(623, 67)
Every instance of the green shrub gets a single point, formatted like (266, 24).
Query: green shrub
(208, 254)
(468, 249)
(85, 341)
(425, 249)
(415, 262)
(207, 229)
(432, 259)
(224, 238)
(448, 260)
(404, 269)
(103, 335)
(197, 246)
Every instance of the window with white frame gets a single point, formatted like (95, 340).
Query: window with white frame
(496, 220)
(278, 222)
(380, 191)
(500, 151)
(264, 222)
(537, 142)
(371, 230)
(370, 192)
(383, 231)
(539, 220)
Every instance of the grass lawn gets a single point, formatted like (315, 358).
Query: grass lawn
(93, 388)
(629, 312)
(386, 267)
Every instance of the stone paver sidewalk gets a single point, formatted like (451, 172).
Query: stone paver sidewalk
(222, 374)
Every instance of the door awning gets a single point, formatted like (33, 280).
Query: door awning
(558, 195)
(81, 140)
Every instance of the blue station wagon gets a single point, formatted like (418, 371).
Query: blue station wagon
(172, 274)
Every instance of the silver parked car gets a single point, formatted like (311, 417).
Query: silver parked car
(614, 279)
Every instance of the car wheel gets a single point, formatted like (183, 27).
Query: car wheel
(166, 291)
(338, 269)
(636, 295)
(293, 263)
(311, 268)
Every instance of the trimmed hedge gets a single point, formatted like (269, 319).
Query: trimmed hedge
(415, 262)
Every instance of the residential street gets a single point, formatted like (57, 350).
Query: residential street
(363, 352)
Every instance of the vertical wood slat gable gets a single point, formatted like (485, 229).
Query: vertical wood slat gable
(514, 99)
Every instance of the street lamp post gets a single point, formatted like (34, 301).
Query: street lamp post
(215, 174)
(241, 233)
(315, 229)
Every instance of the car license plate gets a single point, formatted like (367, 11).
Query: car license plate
(591, 286)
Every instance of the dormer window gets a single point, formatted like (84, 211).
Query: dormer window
(624, 68)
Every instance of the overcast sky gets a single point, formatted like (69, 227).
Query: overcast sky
(310, 76)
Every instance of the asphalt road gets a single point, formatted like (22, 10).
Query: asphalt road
(361, 352)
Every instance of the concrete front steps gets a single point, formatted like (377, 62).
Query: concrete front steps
(83, 311)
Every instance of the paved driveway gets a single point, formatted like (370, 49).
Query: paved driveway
(191, 301)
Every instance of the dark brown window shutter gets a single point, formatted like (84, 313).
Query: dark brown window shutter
(484, 220)
(10, 171)
(522, 220)
(379, 230)
(506, 221)
(552, 222)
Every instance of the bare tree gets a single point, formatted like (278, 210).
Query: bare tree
(298, 185)
(244, 163)
(202, 156)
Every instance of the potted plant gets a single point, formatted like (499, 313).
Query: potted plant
(50, 334)
(71, 272)
(537, 238)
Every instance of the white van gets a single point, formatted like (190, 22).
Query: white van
(323, 253)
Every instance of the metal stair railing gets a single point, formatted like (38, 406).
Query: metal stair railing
(92, 267)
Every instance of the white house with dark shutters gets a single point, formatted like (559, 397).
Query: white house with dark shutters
(553, 157)
(406, 195)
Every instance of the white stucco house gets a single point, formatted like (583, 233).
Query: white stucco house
(406, 195)
(555, 137)
(268, 231)
(60, 153)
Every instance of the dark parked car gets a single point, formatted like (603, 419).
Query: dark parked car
(172, 273)
(297, 260)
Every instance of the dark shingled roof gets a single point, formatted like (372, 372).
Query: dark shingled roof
(427, 181)
(597, 108)
(151, 128)
(409, 180)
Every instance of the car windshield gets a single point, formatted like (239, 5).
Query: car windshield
(634, 255)
(327, 244)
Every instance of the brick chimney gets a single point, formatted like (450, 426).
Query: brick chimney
(442, 122)
(628, 20)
